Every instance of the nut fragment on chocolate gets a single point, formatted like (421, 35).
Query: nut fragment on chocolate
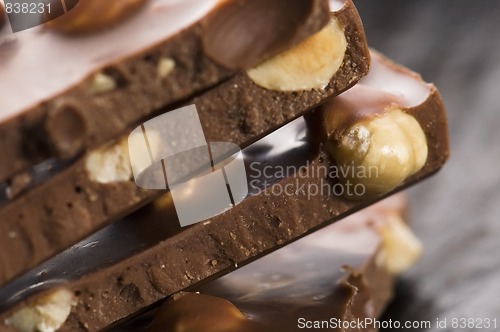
(309, 65)
(236, 111)
(18, 184)
(377, 133)
(102, 83)
(168, 29)
(386, 149)
(109, 164)
(45, 314)
(95, 15)
(162, 258)
(165, 67)
(400, 247)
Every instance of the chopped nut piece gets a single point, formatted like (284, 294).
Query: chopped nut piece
(94, 15)
(47, 314)
(380, 152)
(165, 67)
(19, 183)
(309, 65)
(109, 164)
(102, 83)
(400, 248)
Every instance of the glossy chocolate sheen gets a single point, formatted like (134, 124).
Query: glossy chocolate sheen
(250, 32)
(260, 224)
(69, 205)
(329, 274)
(45, 94)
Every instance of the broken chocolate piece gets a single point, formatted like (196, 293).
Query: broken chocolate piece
(76, 202)
(117, 69)
(378, 146)
(167, 258)
(332, 275)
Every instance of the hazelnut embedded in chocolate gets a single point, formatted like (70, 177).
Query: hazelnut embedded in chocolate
(94, 15)
(381, 151)
(45, 314)
(165, 67)
(110, 163)
(309, 65)
(400, 247)
(102, 83)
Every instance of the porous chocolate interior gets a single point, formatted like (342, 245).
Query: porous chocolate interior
(69, 206)
(260, 224)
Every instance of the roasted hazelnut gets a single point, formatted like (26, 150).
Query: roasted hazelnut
(400, 247)
(45, 314)
(109, 164)
(309, 65)
(380, 152)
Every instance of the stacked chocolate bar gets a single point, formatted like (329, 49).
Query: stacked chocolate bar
(151, 147)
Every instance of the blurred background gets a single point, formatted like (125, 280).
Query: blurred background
(456, 45)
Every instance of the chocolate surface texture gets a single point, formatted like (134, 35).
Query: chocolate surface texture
(335, 273)
(260, 224)
(71, 204)
(66, 98)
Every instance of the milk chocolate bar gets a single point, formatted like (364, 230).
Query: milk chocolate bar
(162, 258)
(341, 275)
(86, 87)
(97, 188)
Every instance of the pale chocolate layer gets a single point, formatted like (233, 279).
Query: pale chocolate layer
(69, 205)
(54, 105)
(260, 224)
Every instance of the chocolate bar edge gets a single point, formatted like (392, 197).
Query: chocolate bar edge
(35, 134)
(207, 243)
(81, 206)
